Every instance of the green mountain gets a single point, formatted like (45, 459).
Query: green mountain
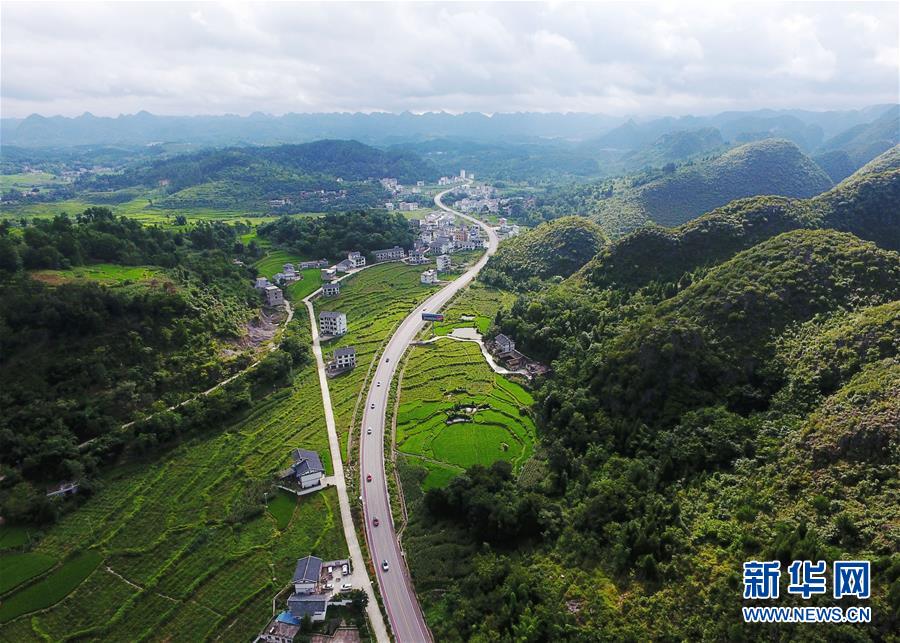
(764, 167)
(238, 178)
(866, 204)
(674, 147)
(751, 415)
(865, 141)
(554, 249)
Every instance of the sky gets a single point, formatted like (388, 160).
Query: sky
(617, 59)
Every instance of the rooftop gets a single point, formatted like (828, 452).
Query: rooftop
(345, 350)
(327, 314)
(308, 570)
(306, 461)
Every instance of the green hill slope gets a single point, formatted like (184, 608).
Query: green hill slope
(765, 167)
(554, 249)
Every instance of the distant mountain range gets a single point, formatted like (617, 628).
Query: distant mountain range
(805, 128)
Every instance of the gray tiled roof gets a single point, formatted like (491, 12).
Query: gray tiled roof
(302, 604)
(326, 314)
(308, 570)
(346, 350)
(306, 461)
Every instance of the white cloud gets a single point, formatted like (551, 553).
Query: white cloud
(187, 58)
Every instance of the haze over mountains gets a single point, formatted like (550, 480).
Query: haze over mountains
(806, 128)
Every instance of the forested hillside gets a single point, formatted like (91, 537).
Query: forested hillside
(554, 249)
(164, 317)
(721, 392)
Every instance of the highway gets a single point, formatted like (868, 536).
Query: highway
(395, 585)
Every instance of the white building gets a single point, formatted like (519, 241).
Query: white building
(408, 206)
(443, 263)
(328, 274)
(332, 323)
(356, 259)
(390, 254)
(389, 206)
(318, 263)
(332, 289)
(343, 358)
(417, 258)
(261, 283)
(307, 469)
(462, 174)
(429, 277)
(274, 296)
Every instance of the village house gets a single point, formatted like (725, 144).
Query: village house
(343, 359)
(332, 323)
(261, 283)
(443, 263)
(356, 259)
(274, 296)
(307, 470)
(284, 628)
(344, 266)
(504, 344)
(328, 274)
(429, 277)
(417, 258)
(442, 245)
(408, 206)
(318, 263)
(389, 206)
(390, 254)
(332, 289)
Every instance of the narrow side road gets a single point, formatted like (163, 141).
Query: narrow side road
(399, 596)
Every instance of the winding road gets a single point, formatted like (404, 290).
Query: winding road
(395, 584)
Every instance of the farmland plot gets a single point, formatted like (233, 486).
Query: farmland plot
(178, 548)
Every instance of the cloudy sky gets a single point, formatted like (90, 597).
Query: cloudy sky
(185, 58)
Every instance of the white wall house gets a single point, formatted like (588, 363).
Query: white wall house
(390, 254)
(332, 323)
(443, 263)
(332, 289)
(356, 259)
(274, 296)
(429, 277)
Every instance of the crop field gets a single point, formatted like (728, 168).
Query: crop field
(105, 273)
(273, 262)
(475, 307)
(28, 180)
(455, 412)
(176, 549)
(141, 207)
(375, 301)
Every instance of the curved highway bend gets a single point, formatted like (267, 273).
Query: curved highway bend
(396, 588)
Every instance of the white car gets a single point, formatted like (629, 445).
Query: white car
(377, 383)
(346, 586)
(373, 405)
(329, 585)
(369, 431)
(384, 565)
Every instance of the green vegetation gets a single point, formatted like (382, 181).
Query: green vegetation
(749, 412)
(18, 568)
(455, 412)
(273, 262)
(554, 249)
(51, 589)
(188, 549)
(334, 235)
(673, 195)
(103, 273)
(375, 301)
(475, 307)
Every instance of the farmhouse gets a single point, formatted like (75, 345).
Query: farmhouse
(261, 283)
(356, 259)
(344, 266)
(343, 359)
(274, 296)
(307, 469)
(443, 263)
(417, 258)
(442, 245)
(283, 629)
(332, 289)
(429, 277)
(318, 263)
(408, 206)
(328, 274)
(390, 254)
(332, 323)
(505, 344)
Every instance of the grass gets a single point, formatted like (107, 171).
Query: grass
(13, 537)
(27, 180)
(281, 507)
(456, 412)
(51, 589)
(105, 273)
(18, 568)
(273, 263)
(375, 301)
(172, 526)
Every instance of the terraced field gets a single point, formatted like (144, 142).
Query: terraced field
(176, 549)
(455, 412)
(475, 307)
(105, 273)
(375, 301)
